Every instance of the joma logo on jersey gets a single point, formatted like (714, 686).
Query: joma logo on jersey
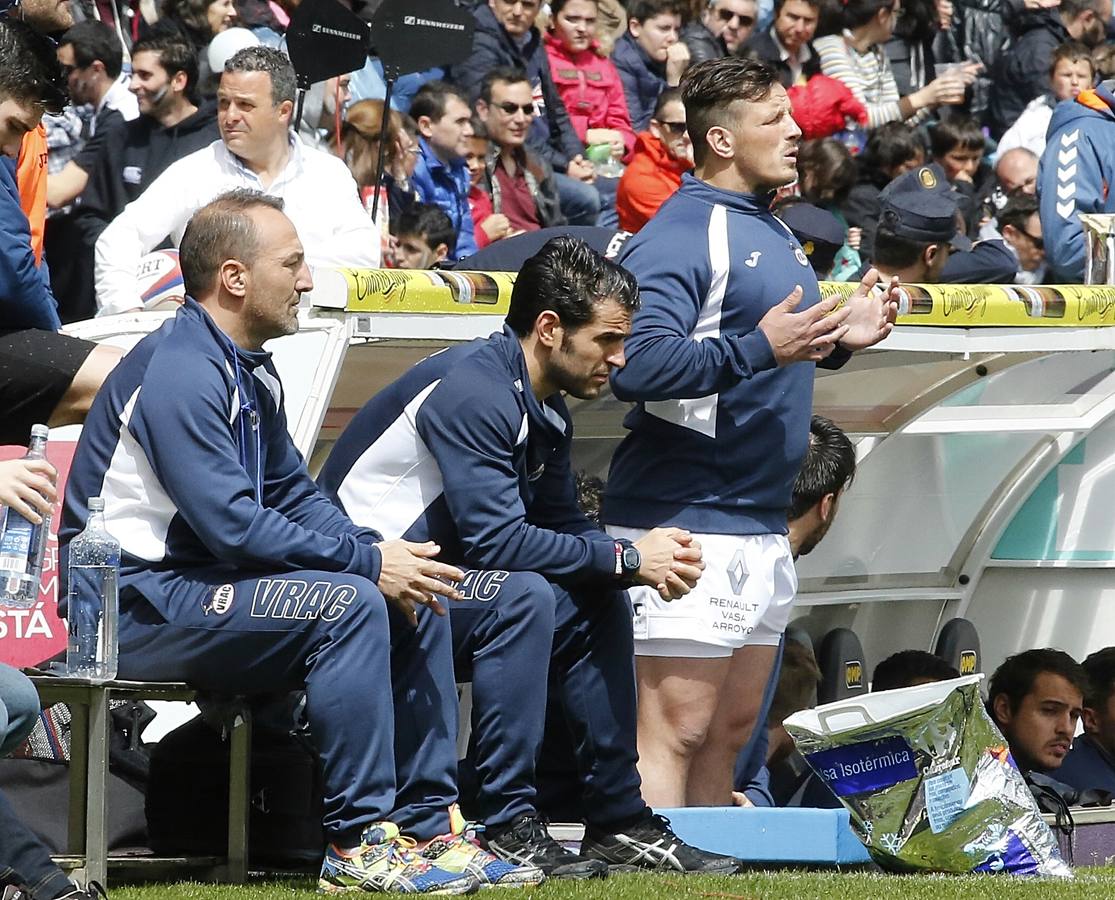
(968, 662)
(482, 585)
(291, 598)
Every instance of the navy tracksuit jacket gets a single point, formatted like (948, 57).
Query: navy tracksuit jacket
(237, 575)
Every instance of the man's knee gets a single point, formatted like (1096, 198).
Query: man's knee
(21, 703)
(75, 403)
(514, 596)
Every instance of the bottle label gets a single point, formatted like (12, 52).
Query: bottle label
(16, 543)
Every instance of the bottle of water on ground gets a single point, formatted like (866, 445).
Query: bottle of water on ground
(91, 651)
(22, 543)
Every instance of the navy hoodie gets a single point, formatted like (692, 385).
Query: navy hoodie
(1075, 176)
(719, 429)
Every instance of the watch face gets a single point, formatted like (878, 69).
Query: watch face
(631, 559)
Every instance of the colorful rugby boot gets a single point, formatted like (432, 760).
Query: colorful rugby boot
(460, 852)
(386, 863)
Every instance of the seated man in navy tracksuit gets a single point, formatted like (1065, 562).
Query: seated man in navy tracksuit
(237, 575)
(471, 448)
(1090, 764)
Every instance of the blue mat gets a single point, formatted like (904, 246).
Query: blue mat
(766, 835)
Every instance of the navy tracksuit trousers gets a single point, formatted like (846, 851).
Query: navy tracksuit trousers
(519, 638)
(381, 699)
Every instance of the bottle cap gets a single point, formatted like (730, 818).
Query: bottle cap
(96, 504)
(39, 431)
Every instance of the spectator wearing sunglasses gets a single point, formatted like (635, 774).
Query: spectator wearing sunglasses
(520, 183)
(662, 155)
(650, 57)
(788, 43)
(724, 27)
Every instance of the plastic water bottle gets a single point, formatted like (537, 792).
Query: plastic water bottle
(91, 651)
(22, 543)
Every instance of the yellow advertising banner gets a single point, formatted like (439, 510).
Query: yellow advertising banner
(959, 305)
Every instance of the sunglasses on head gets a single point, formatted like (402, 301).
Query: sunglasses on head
(726, 15)
(511, 108)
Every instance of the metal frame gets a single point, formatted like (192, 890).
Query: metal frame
(87, 840)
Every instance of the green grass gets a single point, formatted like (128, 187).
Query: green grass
(782, 885)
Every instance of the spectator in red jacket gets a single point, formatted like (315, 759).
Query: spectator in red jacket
(588, 82)
(662, 155)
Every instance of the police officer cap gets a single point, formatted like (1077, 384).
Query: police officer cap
(818, 231)
(920, 205)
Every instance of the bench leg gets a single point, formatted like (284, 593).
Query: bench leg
(239, 791)
(79, 779)
(96, 812)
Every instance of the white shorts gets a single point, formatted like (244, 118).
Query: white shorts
(743, 598)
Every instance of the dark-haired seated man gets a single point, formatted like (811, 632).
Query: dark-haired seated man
(1036, 698)
(1091, 762)
(471, 448)
(909, 668)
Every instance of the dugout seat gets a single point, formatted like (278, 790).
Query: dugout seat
(958, 645)
(843, 667)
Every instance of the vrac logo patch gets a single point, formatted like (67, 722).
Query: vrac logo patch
(968, 662)
(853, 674)
(737, 572)
(220, 601)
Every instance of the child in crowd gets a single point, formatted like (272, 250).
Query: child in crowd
(958, 146)
(1071, 71)
(891, 149)
(588, 82)
(826, 175)
(423, 236)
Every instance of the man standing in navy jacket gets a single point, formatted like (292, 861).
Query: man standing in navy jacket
(471, 448)
(720, 364)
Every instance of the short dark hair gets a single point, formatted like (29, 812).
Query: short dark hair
(889, 146)
(504, 74)
(908, 667)
(893, 251)
(92, 41)
(1017, 210)
(218, 231)
(30, 73)
(1073, 51)
(956, 131)
(480, 129)
(641, 10)
(1100, 669)
(709, 89)
(667, 97)
(828, 467)
(429, 222)
(430, 100)
(1015, 677)
(570, 278)
(284, 83)
(837, 16)
(778, 4)
(176, 54)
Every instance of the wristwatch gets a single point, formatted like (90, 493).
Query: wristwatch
(628, 561)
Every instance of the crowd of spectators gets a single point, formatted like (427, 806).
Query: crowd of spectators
(569, 114)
